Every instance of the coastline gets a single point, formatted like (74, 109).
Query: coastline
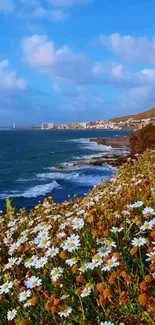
(119, 153)
(76, 170)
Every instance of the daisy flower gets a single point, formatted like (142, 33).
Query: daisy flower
(5, 287)
(66, 312)
(27, 304)
(110, 243)
(31, 261)
(11, 262)
(51, 252)
(43, 235)
(86, 291)
(116, 229)
(56, 273)
(24, 295)
(150, 256)
(112, 262)
(71, 243)
(72, 261)
(60, 234)
(43, 243)
(33, 282)
(11, 314)
(139, 241)
(13, 248)
(68, 214)
(104, 251)
(77, 223)
(84, 267)
(148, 225)
(148, 212)
(80, 212)
(39, 263)
(137, 204)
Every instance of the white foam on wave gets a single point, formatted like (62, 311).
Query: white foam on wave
(90, 145)
(38, 190)
(23, 180)
(88, 157)
(70, 167)
(89, 180)
(79, 177)
(58, 176)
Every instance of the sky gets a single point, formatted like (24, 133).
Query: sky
(68, 61)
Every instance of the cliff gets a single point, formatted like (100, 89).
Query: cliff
(142, 140)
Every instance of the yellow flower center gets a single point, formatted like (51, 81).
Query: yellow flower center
(97, 257)
(44, 241)
(71, 245)
(110, 263)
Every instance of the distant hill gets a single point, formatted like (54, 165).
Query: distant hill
(147, 114)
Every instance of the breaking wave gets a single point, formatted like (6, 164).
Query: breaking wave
(38, 190)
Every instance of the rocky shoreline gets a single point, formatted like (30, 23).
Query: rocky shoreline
(120, 155)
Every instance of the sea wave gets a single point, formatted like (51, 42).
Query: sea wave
(38, 190)
(57, 176)
(23, 180)
(90, 145)
(89, 180)
(78, 177)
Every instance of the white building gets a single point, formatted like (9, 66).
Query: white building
(47, 126)
(83, 125)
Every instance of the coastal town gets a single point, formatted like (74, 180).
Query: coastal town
(129, 124)
(132, 122)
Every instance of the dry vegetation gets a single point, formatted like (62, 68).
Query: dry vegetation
(147, 114)
(91, 261)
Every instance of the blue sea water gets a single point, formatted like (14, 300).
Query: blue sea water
(28, 161)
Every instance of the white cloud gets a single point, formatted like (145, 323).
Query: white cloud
(9, 79)
(64, 64)
(41, 54)
(130, 48)
(68, 3)
(53, 15)
(58, 15)
(38, 52)
(6, 5)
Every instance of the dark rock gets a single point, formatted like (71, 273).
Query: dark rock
(113, 142)
(60, 167)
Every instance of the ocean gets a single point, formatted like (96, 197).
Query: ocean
(28, 161)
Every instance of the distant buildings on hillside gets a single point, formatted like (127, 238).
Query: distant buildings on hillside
(47, 126)
(128, 124)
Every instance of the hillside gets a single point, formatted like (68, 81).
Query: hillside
(87, 262)
(143, 139)
(147, 114)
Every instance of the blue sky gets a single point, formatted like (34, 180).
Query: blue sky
(75, 60)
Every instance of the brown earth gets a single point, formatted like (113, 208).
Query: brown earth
(142, 140)
(144, 115)
(113, 142)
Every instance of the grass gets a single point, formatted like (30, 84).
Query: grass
(91, 261)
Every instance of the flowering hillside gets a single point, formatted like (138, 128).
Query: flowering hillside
(91, 261)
